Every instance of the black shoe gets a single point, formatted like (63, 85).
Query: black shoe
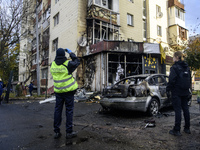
(71, 135)
(57, 135)
(187, 131)
(175, 133)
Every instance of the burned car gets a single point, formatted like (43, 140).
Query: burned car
(145, 92)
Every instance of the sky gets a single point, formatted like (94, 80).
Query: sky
(192, 16)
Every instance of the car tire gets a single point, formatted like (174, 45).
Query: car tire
(153, 107)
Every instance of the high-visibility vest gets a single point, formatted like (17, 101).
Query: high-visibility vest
(63, 82)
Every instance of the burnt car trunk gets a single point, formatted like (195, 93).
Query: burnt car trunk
(117, 91)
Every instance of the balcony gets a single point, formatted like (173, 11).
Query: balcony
(43, 82)
(45, 42)
(103, 14)
(34, 82)
(45, 24)
(33, 50)
(45, 62)
(117, 46)
(34, 67)
(175, 3)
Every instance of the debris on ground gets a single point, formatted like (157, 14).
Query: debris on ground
(89, 97)
(80, 96)
(51, 99)
(94, 98)
(150, 123)
(159, 115)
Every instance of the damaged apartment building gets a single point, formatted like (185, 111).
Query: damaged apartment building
(114, 38)
(129, 37)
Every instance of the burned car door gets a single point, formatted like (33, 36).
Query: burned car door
(161, 82)
(159, 86)
(167, 102)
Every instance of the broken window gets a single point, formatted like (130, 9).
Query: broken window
(158, 80)
(24, 62)
(98, 2)
(104, 3)
(130, 63)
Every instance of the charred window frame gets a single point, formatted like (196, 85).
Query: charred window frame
(157, 80)
(166, 79)
(131, 63)
(24, 62)
(182, 33)
(104, 3)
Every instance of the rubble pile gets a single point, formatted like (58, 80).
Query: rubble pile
(89, 97)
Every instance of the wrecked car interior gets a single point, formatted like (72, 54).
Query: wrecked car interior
(144, 92)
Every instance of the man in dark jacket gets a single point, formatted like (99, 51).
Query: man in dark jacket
(64, 88)
(30, 88)
(179, 95)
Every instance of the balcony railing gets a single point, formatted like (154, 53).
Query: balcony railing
(45, 62)
(175, 3)
(103, 14)
(46, 23)
(43, 81)
(118, 46)
(34, 67)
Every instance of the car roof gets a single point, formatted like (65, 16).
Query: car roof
(144, 76)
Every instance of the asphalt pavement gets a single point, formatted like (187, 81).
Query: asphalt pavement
(28, 125)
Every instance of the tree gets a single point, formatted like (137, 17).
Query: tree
(12, 14)
(193, 54)
(9, 62)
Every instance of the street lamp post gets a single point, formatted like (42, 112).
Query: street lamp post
(38, 62)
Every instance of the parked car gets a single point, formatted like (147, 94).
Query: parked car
(145, 92)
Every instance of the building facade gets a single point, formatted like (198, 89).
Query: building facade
(112, 38)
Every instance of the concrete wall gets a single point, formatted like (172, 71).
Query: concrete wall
(153, 21)
(134, 32)
(72, 24)
(95, 72)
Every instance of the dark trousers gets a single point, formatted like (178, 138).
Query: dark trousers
(181, 103)
(30, 91)
(68, 99)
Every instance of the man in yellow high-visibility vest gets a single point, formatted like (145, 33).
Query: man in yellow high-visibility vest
(64, 88)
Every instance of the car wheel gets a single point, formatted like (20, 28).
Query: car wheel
(153, 107)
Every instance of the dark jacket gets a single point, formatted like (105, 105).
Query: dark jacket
(1, 88)
(72, 65)
(174, 80)
(30, 87)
